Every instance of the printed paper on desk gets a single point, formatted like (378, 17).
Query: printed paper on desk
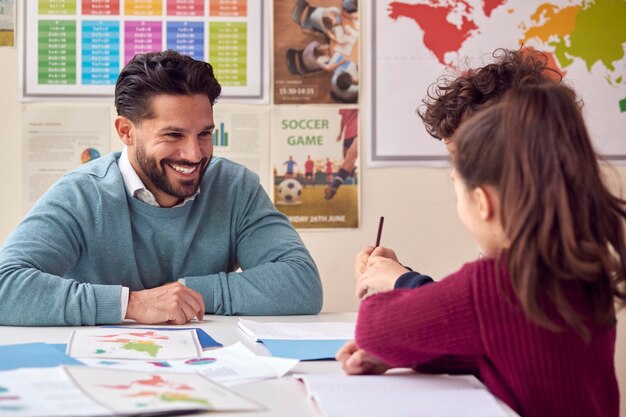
(206, 341)
(38, 392)
(298, 331)
(231, 365)
(134, 344)
(250, 367)
(401, 395)
(128, 392)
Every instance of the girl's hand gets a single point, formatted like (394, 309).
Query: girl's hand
(379, 273)
(355, 361)
(360, 260)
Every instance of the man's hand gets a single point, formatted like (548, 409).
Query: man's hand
(355, 361)
(376, 269)
(171, 303)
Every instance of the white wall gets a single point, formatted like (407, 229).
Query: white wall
(418, 205)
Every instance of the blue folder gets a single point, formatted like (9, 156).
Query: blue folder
(304, 350)
(33, 355)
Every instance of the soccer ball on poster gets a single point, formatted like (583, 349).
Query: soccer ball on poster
(289, 192)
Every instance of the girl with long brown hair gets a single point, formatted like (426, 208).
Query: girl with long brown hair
(536, 315)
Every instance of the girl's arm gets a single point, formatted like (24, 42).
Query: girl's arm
(408, 328)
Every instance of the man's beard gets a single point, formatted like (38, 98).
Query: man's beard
(158, 174)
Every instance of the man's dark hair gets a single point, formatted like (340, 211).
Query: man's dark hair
(328, 23)
(450, 101)
(344, 81)
(155, 73)
(319, 51)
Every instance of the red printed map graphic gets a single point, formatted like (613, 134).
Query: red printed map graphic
(154, 381)
(440, 35)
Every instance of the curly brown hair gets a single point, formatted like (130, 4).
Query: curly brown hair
(450, 101)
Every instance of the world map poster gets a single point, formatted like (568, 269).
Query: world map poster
(413, 43)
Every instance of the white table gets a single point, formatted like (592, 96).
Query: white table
(284, 397)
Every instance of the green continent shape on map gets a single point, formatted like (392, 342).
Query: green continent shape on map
(150, 348)
(622, 105)
(177, 397)
(594, 32)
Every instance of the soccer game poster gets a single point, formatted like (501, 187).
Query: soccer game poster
(316, 51)
(315, 166)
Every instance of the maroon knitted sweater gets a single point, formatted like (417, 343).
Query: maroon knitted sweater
(469, 318)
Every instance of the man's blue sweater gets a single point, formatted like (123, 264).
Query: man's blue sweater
(66, 262)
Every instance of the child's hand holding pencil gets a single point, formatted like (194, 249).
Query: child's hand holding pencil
(376, 268)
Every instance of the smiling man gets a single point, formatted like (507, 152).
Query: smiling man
(161, 232)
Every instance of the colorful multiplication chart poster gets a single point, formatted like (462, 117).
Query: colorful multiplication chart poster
(74, 48)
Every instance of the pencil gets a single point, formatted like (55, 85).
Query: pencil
(380, 230)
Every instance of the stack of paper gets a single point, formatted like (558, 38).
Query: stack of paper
(401, 395)
(303, 341)
(130, 371)
(151, 350)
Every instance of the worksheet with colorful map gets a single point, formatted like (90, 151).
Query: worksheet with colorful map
(84, 391)
(130, 392)
(44, 392)
(414, 42)
(139, 344)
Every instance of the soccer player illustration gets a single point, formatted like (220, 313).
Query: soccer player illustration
(329, 171)
(348, 132)
(309, 168)
(290, 163)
